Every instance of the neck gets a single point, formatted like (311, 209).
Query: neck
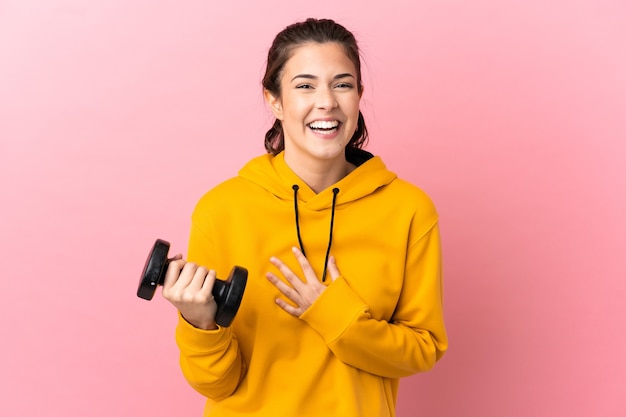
(320, 175)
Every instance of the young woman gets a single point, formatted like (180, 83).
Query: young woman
(344, 294)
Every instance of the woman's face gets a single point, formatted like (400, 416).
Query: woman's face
(319, 104)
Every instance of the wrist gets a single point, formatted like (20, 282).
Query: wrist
(202, 325)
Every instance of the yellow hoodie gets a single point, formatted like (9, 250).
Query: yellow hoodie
(380, 321)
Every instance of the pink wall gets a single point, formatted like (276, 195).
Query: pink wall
(116, 116)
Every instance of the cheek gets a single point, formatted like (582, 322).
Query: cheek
(354, 111)
(295, 110)
(353, 103)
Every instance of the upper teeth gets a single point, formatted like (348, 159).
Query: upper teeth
(322, 124)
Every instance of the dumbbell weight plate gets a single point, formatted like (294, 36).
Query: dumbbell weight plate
(154, 270)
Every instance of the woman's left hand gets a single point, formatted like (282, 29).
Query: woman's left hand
(302, 293)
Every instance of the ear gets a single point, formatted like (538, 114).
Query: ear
(361, 93)
(274, 103)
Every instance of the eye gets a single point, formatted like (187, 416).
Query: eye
(304, 86)
(344, 86)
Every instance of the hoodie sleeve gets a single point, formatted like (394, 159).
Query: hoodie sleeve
(412, 341)
(210, 360)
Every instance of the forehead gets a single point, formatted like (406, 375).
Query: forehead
(319, 59)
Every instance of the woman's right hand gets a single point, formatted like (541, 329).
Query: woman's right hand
(189, 288)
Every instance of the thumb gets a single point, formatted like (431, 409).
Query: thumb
(332, 268)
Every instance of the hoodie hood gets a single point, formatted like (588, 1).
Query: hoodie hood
(272, 174)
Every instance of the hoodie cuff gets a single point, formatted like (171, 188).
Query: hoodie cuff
(193, 339)
(333, 312)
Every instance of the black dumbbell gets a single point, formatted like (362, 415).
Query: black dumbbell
(227, 294)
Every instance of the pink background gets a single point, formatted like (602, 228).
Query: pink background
(115, 116)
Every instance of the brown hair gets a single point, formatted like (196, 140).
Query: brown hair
(293, 36)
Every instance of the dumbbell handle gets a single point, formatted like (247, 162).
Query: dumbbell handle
(219, 286)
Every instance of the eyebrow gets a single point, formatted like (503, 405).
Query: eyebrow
(313, 77)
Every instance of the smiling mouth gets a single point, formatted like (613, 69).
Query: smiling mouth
(324, 127)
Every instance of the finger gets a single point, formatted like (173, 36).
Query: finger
(285, 289)
(332, 268)
(289, 308)
(176, 257)
(198, 279)
(209, 282)
(172, 273)
(186, 276)
(307, 269)
(292, 278)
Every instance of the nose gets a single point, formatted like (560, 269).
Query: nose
(325, 99)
